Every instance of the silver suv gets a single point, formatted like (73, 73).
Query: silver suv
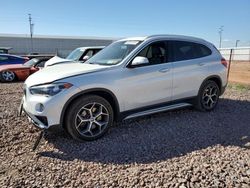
(130, 78)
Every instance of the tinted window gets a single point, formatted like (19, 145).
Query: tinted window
(188, 50)
(155, 52)
(204, 51)
(41, 63)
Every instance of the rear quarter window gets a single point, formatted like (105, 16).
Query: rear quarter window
(202, 50)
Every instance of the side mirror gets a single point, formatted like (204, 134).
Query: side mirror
(139, 60)
(85, 58)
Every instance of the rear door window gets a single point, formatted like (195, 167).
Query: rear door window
(183, 50)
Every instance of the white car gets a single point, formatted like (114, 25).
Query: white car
(130, 78)
(81, 54)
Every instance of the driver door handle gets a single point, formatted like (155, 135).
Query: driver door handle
(164, 70)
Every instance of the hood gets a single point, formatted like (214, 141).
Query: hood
(13, 66)
(50, 74)
(55, 60)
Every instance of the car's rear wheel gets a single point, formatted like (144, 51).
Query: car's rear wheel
(89, 117)
(7, 76)
(208, 96)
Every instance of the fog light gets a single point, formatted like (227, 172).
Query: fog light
(39, 107)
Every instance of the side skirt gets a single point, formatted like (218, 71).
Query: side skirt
(156, 110)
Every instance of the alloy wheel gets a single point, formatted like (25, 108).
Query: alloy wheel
(8, 76)
(91, 119)
(210, 96)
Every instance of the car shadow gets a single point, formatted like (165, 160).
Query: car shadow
(161, 136)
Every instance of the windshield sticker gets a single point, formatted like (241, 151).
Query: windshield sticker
(131, 42)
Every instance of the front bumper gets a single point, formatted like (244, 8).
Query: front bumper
(52, 107)
(33, 119)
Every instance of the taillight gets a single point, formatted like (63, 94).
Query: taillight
(224, 62)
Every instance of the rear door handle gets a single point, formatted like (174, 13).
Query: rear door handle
(201, 64)
(164, 70)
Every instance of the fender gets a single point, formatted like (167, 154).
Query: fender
(93, 90)
(218, 80)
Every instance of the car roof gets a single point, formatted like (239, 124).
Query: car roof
(165, 36)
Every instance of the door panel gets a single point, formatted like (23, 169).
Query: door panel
(187, 78)
(190, 68)
(148, 85)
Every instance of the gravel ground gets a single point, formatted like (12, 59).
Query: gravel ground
(182, 148)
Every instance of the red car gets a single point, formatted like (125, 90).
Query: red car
(19, 72)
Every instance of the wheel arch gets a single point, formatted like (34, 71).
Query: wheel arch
(216, 79)
(105, 93)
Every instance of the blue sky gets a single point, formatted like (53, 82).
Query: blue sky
(117, 18)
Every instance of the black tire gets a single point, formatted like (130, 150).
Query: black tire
(82, 121)
(4, 78)
(204, 101)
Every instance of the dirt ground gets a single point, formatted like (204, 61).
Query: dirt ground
(240, 72)
(183, 148)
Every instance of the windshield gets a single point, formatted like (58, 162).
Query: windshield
(75, 55)
(31, 62)
(114, 53)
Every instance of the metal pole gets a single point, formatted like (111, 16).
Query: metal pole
(236, 43)
(220, 33)
(220, 38)
(229, 65)
(31, 32)
(249, 54)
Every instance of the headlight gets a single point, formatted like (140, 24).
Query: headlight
(49, 89)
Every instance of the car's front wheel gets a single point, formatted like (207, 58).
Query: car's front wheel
(7, 76)
(208, 96)
(89, 117)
